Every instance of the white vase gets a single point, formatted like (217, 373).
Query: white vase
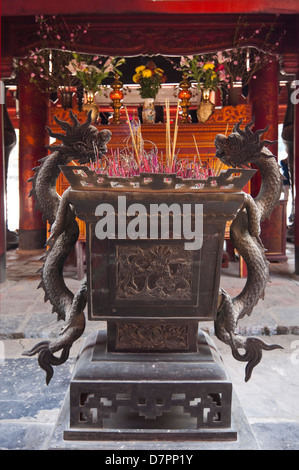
(148, 111)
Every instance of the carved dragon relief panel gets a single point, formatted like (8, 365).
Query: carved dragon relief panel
(153, 272)
(145, 336)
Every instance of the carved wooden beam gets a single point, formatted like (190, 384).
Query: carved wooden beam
(131, 35)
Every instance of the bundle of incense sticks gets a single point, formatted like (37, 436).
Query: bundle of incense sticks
(215, 164)
(171, 143)
(135, 159)
(123, 164)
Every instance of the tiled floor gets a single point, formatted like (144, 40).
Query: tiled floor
(29, 409)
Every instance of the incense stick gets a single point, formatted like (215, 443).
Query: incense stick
(221, 165)
(175, 132)
(168, 142)
(197, 150)
(132, 135)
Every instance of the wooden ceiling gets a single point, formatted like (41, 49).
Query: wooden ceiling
(116, 7)
(165, 27)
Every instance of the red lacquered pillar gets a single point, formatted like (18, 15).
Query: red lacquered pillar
(33, 139)
(2, 195)
(263, 97)
(296, 174)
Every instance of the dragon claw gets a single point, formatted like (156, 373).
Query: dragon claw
(46, 358)
(253, 354)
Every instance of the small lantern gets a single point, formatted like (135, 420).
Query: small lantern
(184, 96)
(116, 96)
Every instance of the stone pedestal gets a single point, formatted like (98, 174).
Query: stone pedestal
(126, 428)
(145, 396)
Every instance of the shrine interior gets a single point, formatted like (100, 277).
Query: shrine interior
(115, 93)
(163, 35)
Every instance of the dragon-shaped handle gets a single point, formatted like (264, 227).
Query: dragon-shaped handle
(240, 149)
(82, 143)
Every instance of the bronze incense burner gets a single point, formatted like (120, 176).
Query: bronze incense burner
(153, 374)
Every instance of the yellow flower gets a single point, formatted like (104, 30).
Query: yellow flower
(136, 77)
(209, 66)
(140, 68)
(147, 73)
(159, 71)
(213, 75)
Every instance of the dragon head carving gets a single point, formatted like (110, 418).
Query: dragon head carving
(81, 142)
(241, 147)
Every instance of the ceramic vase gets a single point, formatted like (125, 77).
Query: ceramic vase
(148, 111)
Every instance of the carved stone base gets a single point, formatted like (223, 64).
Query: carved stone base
(168, 396)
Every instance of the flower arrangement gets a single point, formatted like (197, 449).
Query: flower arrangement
(241, 62)
(149, 78)
(91, 71)
(205, 75)
(46, 65)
